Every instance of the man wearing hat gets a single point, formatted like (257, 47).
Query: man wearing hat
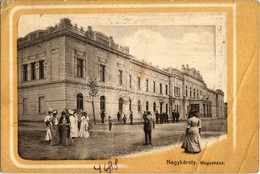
(74, 124)
(148, 127)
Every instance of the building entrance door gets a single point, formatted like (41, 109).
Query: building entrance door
(195, 106)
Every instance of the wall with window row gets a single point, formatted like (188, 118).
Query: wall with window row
(69, 62)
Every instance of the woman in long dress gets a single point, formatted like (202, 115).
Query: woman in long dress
(74, 124)
(192, 141)
(48, 123)
(55, 129)
(83, 133)
(64, 130)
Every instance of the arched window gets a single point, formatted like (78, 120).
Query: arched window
(154, 106)
(79, 101)
(190, 92)
(102, 103)
(120, 108)
(139, 105)
(147, 105)
(194, 92)
(186, 91)
(161, 105)
(166, 109)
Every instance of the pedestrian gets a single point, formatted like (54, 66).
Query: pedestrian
(157, 117)
(148, 127)
(131, 118)
(173, 116)
(177, 117)
(110, 123)
(124, 119)
(103, 115)
(144, 115)
(55, 128)
(161, 118)
(64, 130)
(74, 124)
(166, 118)
(84, 127)
(192, 141)
(118, 116)
(78, 114)
(47, 121)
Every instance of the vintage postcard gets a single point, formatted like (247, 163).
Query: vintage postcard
(129, 87)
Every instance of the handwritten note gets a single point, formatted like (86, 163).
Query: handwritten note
(107, 167)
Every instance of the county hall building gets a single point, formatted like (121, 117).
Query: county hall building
(55, 64)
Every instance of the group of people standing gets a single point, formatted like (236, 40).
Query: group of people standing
(121, 118)
(61, 129)
(164, 117)
(160, 117)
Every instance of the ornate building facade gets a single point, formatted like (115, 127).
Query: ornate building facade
(55, 64)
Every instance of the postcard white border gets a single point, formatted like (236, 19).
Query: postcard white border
(11, 75)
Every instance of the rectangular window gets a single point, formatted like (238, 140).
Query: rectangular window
(154, 87)
(166, 89)
(138, 83)
(25, 72)
(130, 81)
(102, 73)
(130, 105)
(41, 69)
(186, 91)
(139, 105)
(41, 105)
(80, 68)
(33, 71)
(160, 88)
(147, 85)
(25, 105)
(120, 77)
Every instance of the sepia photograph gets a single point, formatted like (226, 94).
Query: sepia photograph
(100, 91)
(129, 86)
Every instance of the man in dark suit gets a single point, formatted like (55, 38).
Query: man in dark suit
(157, 116)
(148, 127)
(103, 115)
(173, 116)
(131, 117)
(118, 116)
(177, 117)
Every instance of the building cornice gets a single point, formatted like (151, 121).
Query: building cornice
(69, 33)
(150, 67)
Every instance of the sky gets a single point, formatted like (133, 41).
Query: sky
(162, 45)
